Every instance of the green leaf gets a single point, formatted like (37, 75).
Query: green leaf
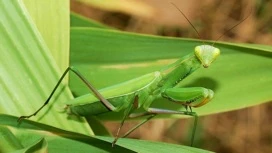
(40, 146)
(8, 141)
(28, 70)
(240, 77)
(59, 140)
(52, 20)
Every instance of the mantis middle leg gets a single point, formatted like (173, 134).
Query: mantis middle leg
(152, 112)
(128, 111)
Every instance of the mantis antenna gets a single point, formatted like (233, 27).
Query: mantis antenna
(233, 26)
(187, 19)
(220, 35)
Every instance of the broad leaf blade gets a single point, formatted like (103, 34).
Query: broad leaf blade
(240, 68)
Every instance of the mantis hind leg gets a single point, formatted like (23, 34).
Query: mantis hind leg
(104, 101)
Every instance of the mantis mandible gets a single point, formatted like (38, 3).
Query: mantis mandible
(142, 91)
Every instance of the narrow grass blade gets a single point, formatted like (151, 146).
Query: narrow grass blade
(28, 72)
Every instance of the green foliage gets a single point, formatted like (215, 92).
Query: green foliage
(28, 69)
(31, 136)
(100, 53)
(240, 77)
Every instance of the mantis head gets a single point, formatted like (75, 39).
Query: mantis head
(206, 54)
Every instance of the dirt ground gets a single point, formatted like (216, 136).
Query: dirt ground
(246, 130)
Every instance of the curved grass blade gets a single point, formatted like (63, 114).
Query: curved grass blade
(59, 140)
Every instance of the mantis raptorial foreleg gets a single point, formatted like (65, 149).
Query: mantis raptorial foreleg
(194, 97)
(189, 97)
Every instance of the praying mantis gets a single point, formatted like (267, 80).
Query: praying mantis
(141, 92)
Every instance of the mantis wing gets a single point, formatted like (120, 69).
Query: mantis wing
(119, 90)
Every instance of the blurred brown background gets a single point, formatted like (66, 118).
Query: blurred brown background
(246, 130)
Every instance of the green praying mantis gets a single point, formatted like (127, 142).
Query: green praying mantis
(141, 92)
